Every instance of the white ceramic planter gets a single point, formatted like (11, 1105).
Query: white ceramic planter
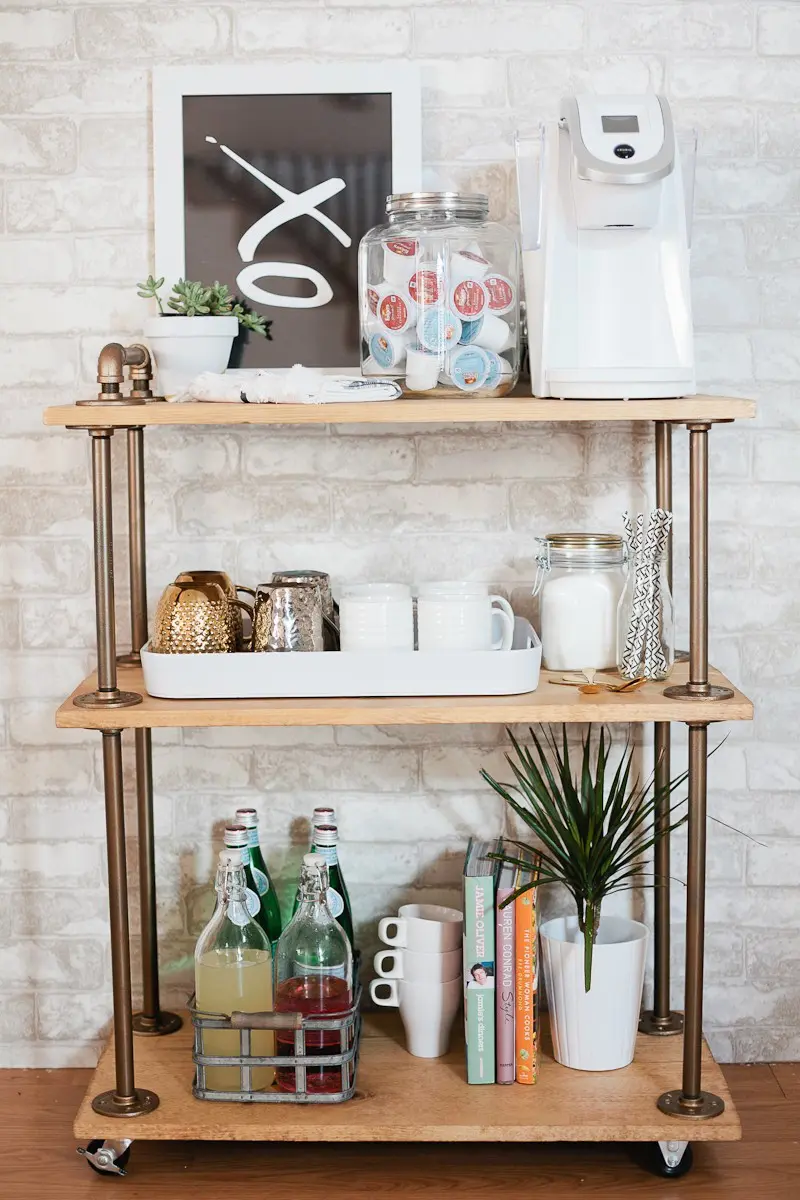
(594, 1030)
(182, 347)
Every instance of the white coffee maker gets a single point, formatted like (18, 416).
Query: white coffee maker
(605, 208)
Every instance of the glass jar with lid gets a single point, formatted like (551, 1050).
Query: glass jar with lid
(439, 296)
(580, 579)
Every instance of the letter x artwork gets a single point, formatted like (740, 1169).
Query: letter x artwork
(278, 191)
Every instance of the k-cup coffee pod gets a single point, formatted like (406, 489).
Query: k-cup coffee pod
(499, 370)
(370, 367)
(389, 349)
(397, 312)
(468, 299)
(374, 294)
(400, 260)
(494, 334)
(422, 370)
(501, 294)
(470, 330)
(467, 264)
(438, 329)
(468, 368)
(426, 285)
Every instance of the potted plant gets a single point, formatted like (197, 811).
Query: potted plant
(197, 334)
(592, 834)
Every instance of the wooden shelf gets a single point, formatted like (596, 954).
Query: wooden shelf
(548, 703)
(519, 406)
(405, 1099)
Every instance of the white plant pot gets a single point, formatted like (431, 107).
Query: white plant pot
(594, 1030)
(182, 347)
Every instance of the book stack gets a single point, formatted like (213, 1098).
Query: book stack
(500, 968)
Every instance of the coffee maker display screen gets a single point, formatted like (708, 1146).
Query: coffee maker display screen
(620, 124)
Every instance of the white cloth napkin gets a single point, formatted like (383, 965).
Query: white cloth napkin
(298, 385)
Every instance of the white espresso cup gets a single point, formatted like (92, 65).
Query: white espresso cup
(427, 1011)
(463, 616)
(426, 928)
(376, 616)
(417, 966)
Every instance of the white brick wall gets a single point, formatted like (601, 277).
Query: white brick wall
(75, 234)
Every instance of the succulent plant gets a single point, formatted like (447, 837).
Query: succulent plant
(190, 298)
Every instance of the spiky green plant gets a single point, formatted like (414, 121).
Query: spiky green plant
(592, 833)
(190, 298)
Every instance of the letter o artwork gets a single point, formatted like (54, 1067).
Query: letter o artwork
(246, 281)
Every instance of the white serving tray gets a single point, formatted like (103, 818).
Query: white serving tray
(336, 673)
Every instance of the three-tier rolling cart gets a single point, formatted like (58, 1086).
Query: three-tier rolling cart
(672, 1094)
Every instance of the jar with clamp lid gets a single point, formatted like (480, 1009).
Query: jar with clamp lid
(580, 580)
(439, 296)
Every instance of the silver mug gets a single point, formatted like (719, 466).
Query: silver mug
(330, 609)
(288, 617)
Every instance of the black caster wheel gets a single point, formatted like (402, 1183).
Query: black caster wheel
(107, 1158)
(672, 1159)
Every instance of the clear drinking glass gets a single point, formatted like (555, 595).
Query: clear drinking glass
(646, 621)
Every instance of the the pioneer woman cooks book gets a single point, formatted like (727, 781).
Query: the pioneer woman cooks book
(479, 961)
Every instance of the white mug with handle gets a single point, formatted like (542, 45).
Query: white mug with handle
(417, 966)
(463, 616)
(429, 928)
(427, 1011)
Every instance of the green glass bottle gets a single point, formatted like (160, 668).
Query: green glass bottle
(236, 838)
(263, 881)
(326, 840)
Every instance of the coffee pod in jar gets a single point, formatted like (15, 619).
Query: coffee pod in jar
(397, 312)
(467, 264)
(399, 260)
(438, 329)
(374, 294)
(422, 369)
(494, 334)
(468, 367)
(501, 293)
(426, 285)
(499, 370)
(468, 300)
(389, 349)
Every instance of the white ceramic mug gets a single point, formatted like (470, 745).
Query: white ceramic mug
(419, 967)
(427, 1011)
(429, 928)
(462, 617)
(376, 616)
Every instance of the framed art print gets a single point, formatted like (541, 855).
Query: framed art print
(266, 178)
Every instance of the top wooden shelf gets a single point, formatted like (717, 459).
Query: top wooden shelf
(445, 410)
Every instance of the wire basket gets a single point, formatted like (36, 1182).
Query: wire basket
(304, 1071)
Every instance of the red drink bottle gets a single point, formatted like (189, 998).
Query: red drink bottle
(313, 975)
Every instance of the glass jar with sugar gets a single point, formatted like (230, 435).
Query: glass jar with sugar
(580, 580)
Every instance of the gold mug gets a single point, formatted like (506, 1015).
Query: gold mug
(223, 579)
(196, 618)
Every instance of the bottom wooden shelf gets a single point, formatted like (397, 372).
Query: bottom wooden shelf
(405, 1099)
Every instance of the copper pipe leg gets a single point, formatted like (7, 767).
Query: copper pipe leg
(698, 687)
(126, 1100)
(151, 1021)
(661, 1020)
(691, 1101)
(107, 694)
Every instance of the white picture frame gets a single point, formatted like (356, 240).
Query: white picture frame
(171, 85)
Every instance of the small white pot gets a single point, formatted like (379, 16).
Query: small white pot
(594, 1030)
(182, 347)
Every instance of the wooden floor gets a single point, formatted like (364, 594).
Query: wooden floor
(38, 1159)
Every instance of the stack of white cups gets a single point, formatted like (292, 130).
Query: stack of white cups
(421, 974)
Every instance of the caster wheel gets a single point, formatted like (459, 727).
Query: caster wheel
(672, 1159)
(107, 1158)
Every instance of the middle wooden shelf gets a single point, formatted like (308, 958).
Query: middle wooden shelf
(548, 703)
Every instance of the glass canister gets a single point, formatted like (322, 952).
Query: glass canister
(439, 296)
(580, 580)
(646, 619)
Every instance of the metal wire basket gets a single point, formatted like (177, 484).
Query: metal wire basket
(299, 1068)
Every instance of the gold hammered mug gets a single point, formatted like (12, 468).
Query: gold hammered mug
(196, 618)
(230, 589)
